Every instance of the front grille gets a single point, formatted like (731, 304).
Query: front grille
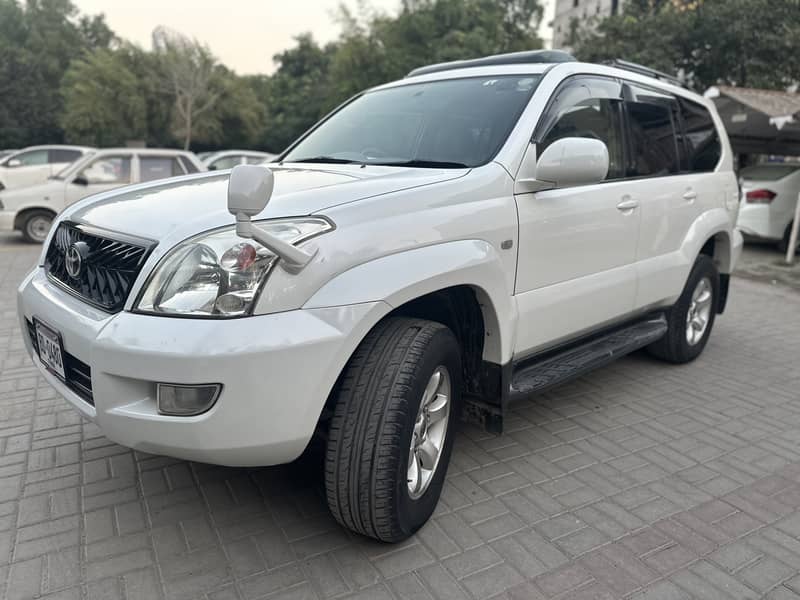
(78, 375)
(108, 268)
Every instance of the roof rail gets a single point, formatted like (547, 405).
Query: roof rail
(642, 70)
(512, 58)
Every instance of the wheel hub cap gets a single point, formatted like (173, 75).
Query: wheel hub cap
(430, 430)
(699, 312)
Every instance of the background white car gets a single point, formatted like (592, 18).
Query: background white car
(31, 209)
(769, 197)
(228, 159)
(35, 164)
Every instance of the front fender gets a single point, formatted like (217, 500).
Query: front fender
(399, 278)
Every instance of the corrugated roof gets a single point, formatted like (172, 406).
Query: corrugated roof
(770, 102)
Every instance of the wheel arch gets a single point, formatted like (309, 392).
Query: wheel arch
(20, 217)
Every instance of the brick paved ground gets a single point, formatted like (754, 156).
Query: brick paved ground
(640, 480)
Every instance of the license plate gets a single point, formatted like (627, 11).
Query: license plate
(50, 351)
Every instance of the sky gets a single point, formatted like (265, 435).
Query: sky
(243, 34)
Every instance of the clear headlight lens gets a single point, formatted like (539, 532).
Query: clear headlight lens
(219, 274)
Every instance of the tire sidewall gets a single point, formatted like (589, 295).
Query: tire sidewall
(443, 349)
(703, 268)
(26, 233)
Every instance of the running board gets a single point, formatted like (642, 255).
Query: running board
(578, 360)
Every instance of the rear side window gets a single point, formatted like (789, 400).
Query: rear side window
(654, 145)
(702, 139)
(188, 165)
(588, 108)
(64, 156)
(158, 167)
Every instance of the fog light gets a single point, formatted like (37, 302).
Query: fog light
(185, 400)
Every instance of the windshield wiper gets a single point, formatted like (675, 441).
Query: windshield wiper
(328, 159)
(423, 164)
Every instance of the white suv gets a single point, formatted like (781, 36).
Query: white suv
(439, 246)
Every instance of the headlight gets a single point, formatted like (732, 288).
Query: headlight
(219, 274)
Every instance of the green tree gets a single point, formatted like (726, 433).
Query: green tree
(103, 101)
(186, 70)
(706, 42)
(38, 40)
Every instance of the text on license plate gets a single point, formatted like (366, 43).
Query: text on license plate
(50, 352)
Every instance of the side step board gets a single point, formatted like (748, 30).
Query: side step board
(568, 364)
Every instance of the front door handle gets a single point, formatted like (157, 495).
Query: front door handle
(690, 196)
(628, 204)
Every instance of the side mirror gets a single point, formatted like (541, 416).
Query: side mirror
(573, 161)
(14, 162)
(249, 191)
(80, 180)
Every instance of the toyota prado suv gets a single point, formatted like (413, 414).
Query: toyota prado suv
(436, 248)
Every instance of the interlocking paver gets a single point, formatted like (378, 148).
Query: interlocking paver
(642, 480)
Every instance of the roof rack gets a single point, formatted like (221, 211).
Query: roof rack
(512, 58)
(642, 70)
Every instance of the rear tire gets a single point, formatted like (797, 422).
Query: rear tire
(691, 318)
(36, 225)
(390, 410)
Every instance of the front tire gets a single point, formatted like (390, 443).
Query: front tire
(691, 318)
(36, 225)
(390, 439)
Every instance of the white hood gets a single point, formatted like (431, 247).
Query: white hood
(175, 209)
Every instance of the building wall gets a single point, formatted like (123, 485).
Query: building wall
(587, 12)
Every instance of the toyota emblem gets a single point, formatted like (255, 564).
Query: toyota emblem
(73, 258)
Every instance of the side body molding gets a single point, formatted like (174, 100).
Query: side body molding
(398, 278)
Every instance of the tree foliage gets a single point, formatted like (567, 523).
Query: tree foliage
(749, 43)
(104, 104)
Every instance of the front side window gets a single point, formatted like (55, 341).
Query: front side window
(702, 138)
(447, 123)
(226, 162)
(158, 167)
(654, 145)
(587, 108)
(108, 170)
(29, 159)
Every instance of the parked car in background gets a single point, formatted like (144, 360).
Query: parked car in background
(441, 245)
(32, 209)
(227, 159)
(769, 198)
(36, 164)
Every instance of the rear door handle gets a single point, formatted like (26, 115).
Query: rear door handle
(690, 196)
(627, 205)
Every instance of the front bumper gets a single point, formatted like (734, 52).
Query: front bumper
(276, 373)
(7, 218)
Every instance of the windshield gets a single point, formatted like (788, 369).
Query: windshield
(768, 172)
(448, 123)
(72, 167)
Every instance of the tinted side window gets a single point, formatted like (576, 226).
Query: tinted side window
(651, 121)
(158, 167)
(702, 138)
(64, 156)
(188, 165)
(587, 108)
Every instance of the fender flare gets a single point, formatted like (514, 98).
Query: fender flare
(396, 279)
(713, 224)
